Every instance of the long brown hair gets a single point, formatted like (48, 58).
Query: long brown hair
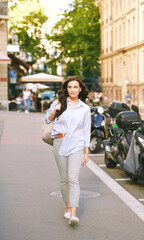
(63, 94)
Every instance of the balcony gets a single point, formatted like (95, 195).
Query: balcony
(3, 9)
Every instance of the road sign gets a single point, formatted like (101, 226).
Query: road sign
(12, 76)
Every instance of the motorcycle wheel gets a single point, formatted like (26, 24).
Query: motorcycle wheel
(95, 144)
(109, 162)
(133, 177)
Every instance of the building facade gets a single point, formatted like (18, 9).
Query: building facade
(122, 49)
(4, 60)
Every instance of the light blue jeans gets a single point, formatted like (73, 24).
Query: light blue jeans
(69, 169)
(27, 104)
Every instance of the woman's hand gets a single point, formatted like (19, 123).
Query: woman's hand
(52, 115)
(58, 107)
(86, 158)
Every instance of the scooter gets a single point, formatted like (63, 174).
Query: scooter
(113, 134)
(126, 147)
(97, 128)
(133, 162)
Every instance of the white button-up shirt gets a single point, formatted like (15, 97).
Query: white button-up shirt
(75, 122)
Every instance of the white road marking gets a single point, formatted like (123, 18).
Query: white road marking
(141, 199)
(126, 197)
(122, 179)
(102, 165)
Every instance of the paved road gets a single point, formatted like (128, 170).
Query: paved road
(28, 175)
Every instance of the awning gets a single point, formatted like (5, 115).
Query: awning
(41, 77)
(35, 87)
(19, 62)
(4, 59)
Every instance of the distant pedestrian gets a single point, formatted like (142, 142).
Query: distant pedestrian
(26, 99)
(91, 96)
(32, 103)
(18, 102)
(96, 99)
(12, 103)
(100, 96)
(128, 98)
(71, 134)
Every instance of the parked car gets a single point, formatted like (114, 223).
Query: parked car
(50, 94)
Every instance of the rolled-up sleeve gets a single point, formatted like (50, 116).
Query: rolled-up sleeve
(50, 111)
(87, 128)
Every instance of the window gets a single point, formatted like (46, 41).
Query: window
(119, 36)
(107, 42)
(111, 75)
(111, 40)
(133, 3)
(111, 95)
(116, 95)
(108, 70)
(133, 68)
(133, 29)
(120, 96)
(143, 26)
(128, 26)
(128, 66)
(143, 96)
(116, 38)
(124, 34)
(107, 13)
(129, 3)
(142, 66)
(103, 71)
(134, 95)
(103, 39)
(110, 10)
(115, 6)
(120, 5)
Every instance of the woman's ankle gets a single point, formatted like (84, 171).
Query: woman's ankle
(68, 210)
(67, 207)
(73, 211)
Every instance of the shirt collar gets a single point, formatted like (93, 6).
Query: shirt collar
(80, 103)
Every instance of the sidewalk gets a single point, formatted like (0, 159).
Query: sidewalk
(28, 174)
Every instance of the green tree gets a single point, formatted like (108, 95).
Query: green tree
(27, 19)
(77, 35)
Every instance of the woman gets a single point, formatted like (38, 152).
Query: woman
(71, 134)
(26, 99)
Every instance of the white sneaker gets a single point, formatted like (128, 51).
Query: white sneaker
(73, 221)
(67, 215)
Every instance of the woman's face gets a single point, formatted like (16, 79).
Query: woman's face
(73, 89)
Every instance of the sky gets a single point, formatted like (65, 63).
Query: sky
(54, 8)
(59, 4)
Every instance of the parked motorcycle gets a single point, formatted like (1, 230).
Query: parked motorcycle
(113, 133)
(125, 142)
(97, 128)
(133, 162)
